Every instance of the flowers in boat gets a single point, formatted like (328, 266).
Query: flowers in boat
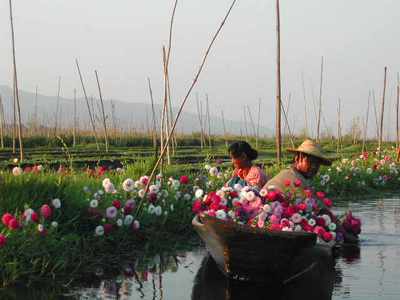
(296, 209)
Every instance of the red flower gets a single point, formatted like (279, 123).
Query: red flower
(308, 193)
(234, 194)
(302, 206)
(3, 240)
(211, 197)
(215, 206)
(327, 236)
(321, 222)
(13, 224)
(184, 179)
(27, 169)
(320, 231)
(275, 227)
(272, 196)
(45, 211)
(297, 183)
(287, 182)
(107, 228)
(101, 171)
(211, 213)
(321, 195)
(285, 223)
(327, 202)
(34, 217)
(152, 198)
(197, 206)
(6, 218)
(116, 204)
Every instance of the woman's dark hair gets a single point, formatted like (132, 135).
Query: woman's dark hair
(238, 148)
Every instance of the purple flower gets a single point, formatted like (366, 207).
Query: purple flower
(111, 212)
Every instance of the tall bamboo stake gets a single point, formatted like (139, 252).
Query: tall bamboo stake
(397, 112)
(153, 115)
(36, 108)
(1, 123)
(75, 121)
(339, 129)
(57, 107)
(366, 124)
(258, 122)
(305, 107)
(91, 117)
(320, 100)
(200, 117)
(224, 127)
(186, 98)
(246, 131)
(278, 136)
(102, 110)
(287, 124)
(253, 125)
(14, 125)
(166, 103)
(382, 114)
(208, 122)
(16, 95)
(376, 115)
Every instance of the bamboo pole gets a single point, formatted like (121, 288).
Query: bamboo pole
(102, 110)
(199, 115)
(57, 107)
(74, 129)
(287, 124)
(320, 101)
(376, 114)
(245, 124)
(366, 124)
(1, 123)
(91, 117)
(253, 125)
(397, 111)
(278, 136)
(166, 102)
(305, 107)
(16, 94)
(339, 129)
(14, 125)
(382, 113)
(36, 108)
(208, 122)
(258, 122)
(193, 84)
(153, 114)
(224, 128)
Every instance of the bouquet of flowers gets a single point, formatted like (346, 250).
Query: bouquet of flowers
(295, 209)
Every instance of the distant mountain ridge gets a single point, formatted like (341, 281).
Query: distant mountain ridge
(127, 114)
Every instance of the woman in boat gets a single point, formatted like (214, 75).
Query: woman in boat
(306, 163)
(245, 172)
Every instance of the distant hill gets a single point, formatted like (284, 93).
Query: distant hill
(127, 114)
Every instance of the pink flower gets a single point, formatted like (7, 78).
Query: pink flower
(197, 206)
(272, 196)
(184, 179)
(45, 211)
(321, 195)
(297, 183)
(275, 227)
(3, 240)
(327, 236)
(6, 218)
(13, 224)
(274, 219)
(34, 217)
(152, 198)
(129, 206)
(287, 182)
(327, 202)
(319, 231)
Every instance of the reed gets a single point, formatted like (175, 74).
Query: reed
(102, 110)
(382, 113)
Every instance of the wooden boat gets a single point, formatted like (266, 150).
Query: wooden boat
(251, 254)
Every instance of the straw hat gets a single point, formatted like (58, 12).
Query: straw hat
(309, 147)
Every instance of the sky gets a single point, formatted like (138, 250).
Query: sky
(123, 40)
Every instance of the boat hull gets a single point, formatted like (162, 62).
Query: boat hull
(251, 254)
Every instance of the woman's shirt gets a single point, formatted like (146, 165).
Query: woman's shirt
(253, 176)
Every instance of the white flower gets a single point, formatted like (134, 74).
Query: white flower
(263, 193)
(144, 179)
(111, 212)
(28, 214)
(235, 200)
(338, 169)
(220, 214)
(220, 193)
(369, 171)
(158, 210)
(154, 189)
(109, 188)
(136, 225)
(213, 171)
(231, 214)
(187, 197)
(199, 193)
(15, 160)
(40, 227)
(238, 187)
(220, 175)
(171, 207)
(137, 184)
(128, 220)
(296, 218)
(178, 195)
(287, 229)
(119, 170)
(227, 189)
(94, 203)
(141, 193)
(151, 209)
(56, 203)
(39, 168)
(17, 171)
(332, 226)
(100, 192)
(207, 167)
(176, 184)
(164, 193)
(128, 185)
(120, 222)
(250, 196)
(326, 177)
(99, 230)
(106, 181)
(322, 182)
(312, 222)
(327, 219)
(298, 228)
(267, 208)
(54, 224)
(86, 189)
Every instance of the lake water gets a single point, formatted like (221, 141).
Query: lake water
(370, 271)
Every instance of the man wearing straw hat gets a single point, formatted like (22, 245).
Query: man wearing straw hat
(308, 158)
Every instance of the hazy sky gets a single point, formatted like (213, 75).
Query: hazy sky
(123, 40)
